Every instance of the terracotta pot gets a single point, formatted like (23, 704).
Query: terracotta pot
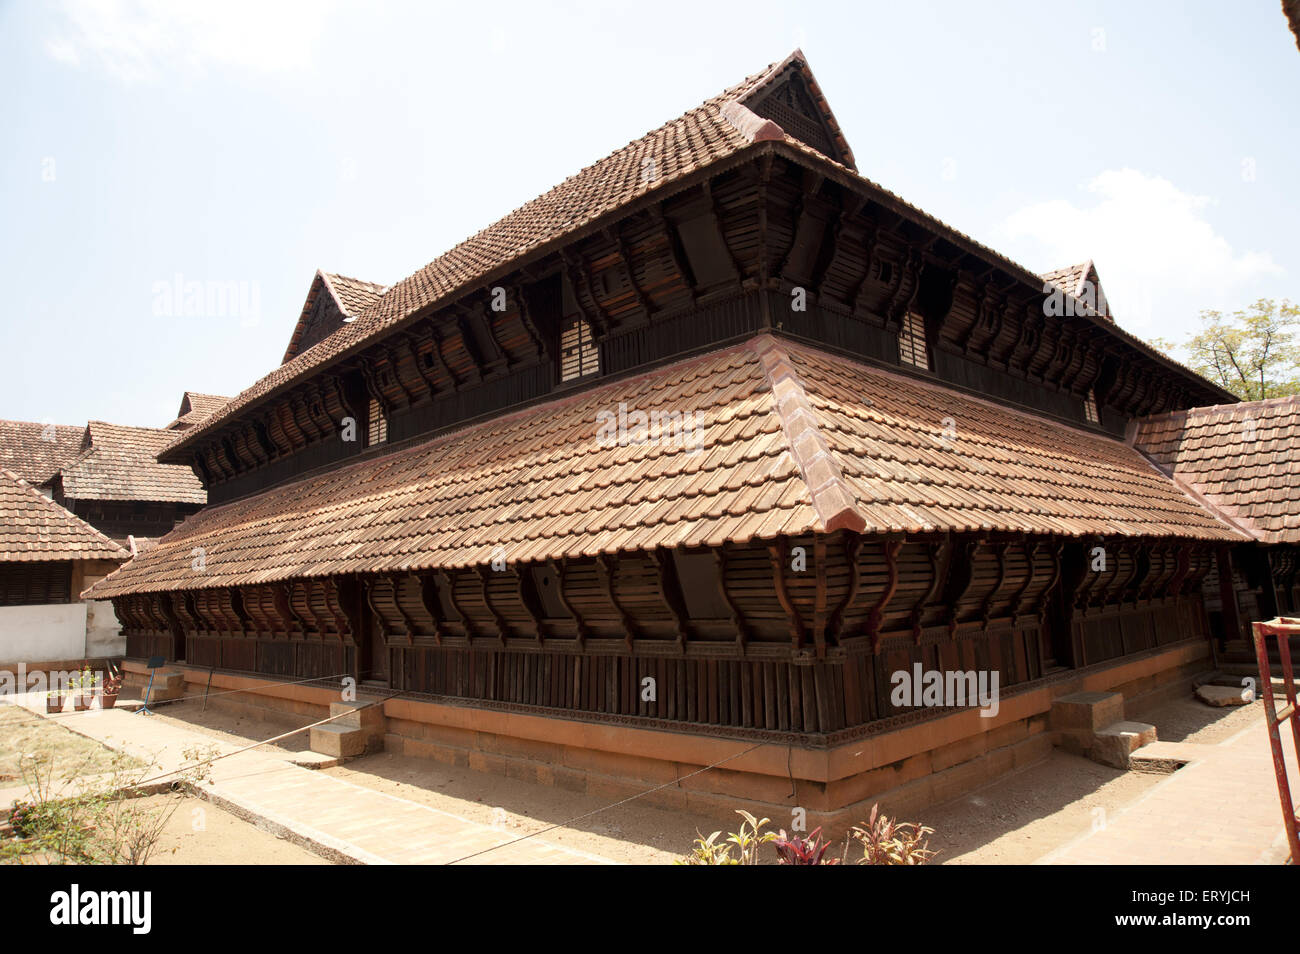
(53, 703)
(81, 701)
(109, 699)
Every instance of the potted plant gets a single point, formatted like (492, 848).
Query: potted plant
(54, 700)
(83, 689)
(112, 685)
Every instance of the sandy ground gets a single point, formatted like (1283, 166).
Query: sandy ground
(199, 833)
(1014, 820)
(1023, 816)
(230, 727)
(24, 732)
(633, 833)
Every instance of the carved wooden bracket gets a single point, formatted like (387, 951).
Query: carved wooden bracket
(777, 554)
(876, 616)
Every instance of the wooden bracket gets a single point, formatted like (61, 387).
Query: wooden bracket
(777, 554)
(876, 617)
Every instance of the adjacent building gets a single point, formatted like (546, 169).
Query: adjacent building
(47, 557)
(117, 485)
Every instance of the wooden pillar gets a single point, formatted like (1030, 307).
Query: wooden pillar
(1228, 596)
(1268, 585)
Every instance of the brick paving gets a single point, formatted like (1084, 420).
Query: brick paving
(332, 817)
(1221, 809)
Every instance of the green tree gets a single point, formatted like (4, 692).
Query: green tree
(1251, 352)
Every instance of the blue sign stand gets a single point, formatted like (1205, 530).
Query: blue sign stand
(155, 662)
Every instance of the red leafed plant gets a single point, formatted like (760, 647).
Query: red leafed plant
(793, 850)
(886, 841)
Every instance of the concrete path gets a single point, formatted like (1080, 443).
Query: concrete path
(333, 818)
(1222, 808)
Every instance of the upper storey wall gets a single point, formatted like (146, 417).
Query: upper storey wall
(771, 240)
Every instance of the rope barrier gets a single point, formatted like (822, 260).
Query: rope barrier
(596, 811)
(274, 738)
(514, 841)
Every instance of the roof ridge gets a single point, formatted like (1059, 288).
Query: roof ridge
(60, 512)
(1217, 510)
(835, 504)
(1206, 409)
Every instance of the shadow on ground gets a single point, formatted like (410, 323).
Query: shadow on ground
(1014, 820)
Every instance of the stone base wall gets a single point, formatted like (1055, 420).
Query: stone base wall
(905, 770)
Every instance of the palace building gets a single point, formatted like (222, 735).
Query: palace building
(682, 460)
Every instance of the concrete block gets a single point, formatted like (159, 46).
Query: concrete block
(337, 741)
(357, 715)
(1090, 711)
(1115, 744)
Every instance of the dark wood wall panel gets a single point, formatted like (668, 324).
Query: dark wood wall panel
(766, 646)
(26, 583)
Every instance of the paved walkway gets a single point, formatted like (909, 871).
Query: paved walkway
(1220, 809)
(329, 816)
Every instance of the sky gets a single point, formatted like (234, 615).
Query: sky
(151, 148)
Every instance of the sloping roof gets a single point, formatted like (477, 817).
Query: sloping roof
(786, 440)
(33, 527)
(351, 295)
(120, 463)
(35, 451)
(699, 138)
(720, 128)
(194, 408)
(1083, 283)
(1241, 458)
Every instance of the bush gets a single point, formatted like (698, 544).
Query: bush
(103, 823)
(884, 841)
(888, 842)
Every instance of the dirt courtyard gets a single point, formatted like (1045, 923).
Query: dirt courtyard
(195, 833)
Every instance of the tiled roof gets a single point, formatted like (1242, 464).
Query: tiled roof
(120, 463)
(918, 456)
(194, 408)
(352, 295)
(1241, 458)
(35, 451)
(787, 440)
(33, 527)
(697, 139)
(719, 128)
(1071, 279)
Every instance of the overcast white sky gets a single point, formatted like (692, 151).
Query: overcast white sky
(148, 144)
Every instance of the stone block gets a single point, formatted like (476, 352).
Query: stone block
(1225, 695)
(1115, 744)
(337, 741)
(1089, 711)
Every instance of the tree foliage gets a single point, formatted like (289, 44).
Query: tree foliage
(1251, 352)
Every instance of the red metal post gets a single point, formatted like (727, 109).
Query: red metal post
(1284, 628)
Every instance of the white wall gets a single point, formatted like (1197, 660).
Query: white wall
(45, 633)
(103, 631)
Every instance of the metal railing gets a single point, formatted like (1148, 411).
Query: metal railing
(1283, 627)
